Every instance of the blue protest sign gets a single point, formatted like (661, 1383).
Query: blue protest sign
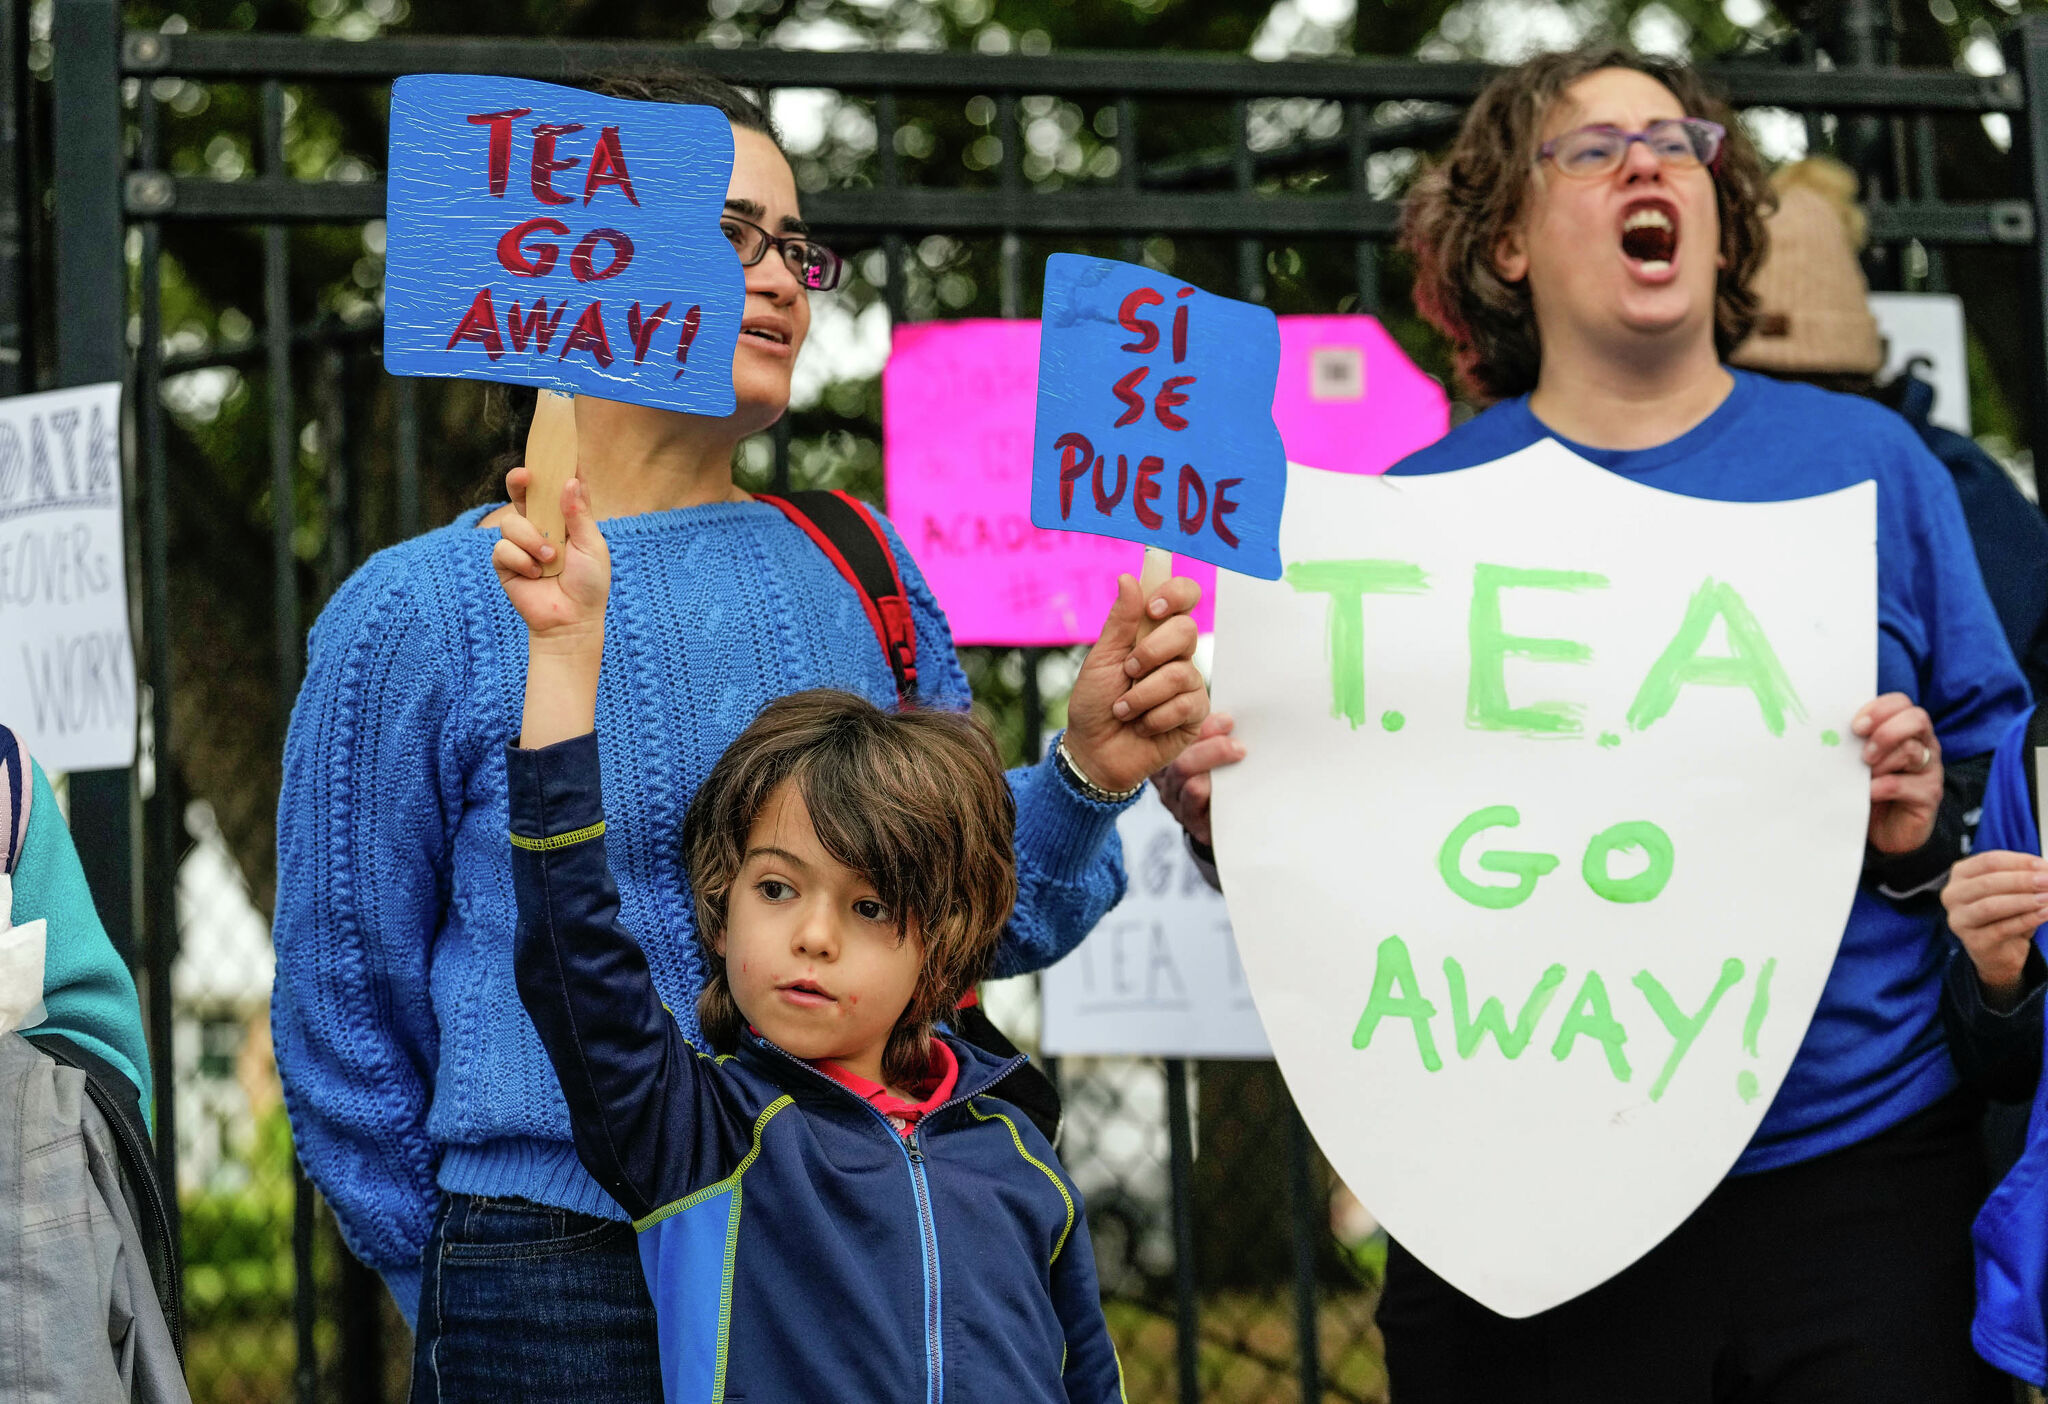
(548, 236)
(1155, 415)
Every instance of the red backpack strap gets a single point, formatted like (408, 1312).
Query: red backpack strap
(847, 532)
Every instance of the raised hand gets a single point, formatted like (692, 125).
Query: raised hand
(564, 617)
(1904, 757)
(1137, 704)
(572, 602)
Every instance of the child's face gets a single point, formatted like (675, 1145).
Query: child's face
(813, 955)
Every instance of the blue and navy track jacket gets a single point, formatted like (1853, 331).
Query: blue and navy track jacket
(796, 1247)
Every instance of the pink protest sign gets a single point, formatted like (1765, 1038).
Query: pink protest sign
(958, 403)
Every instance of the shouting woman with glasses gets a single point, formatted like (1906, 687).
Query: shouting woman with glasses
(1587, 249)
(423, 1103)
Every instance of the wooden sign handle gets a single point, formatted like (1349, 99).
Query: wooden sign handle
(1158, 569)
(551, 459)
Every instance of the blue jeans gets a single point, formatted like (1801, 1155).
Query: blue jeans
(520, 1302)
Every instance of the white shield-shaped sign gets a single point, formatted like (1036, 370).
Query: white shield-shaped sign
(1548, 831)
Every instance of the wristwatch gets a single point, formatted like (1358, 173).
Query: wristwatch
(1063, 761)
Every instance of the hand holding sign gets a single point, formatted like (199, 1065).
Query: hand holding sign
(1904, 758)
(1139, 700)
(548, 236)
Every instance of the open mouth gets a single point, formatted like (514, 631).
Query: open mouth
(1649, 235)
(767, 334)
(805, 992)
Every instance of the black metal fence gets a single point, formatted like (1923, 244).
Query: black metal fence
(1237, 1274)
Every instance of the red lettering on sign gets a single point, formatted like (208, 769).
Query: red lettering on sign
(608, 167)
(1075, 453)
(588, 335)
(580, 257)
(1222, 507)
(1180, 331)
(689, 334)
(1126, 390)
(1169, 398)
(499, 160)
(641, 331)
(1105, 502)
(537, 326)
(479, 324)
(1146, 489)
(1127, 317)
(514, 256)
(1191, 522)
(545, 163)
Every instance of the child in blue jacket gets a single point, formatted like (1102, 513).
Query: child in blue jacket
(1997, 899)
(836, 1201)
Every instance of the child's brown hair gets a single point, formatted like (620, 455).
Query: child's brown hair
(914, 801)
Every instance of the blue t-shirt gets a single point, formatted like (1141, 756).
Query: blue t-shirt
(1874, 1054)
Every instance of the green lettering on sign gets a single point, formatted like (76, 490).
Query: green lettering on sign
(1593, 1016)
(1486, 695)
(1396, 995)
(1645, 885)
(1492, 1018)
(1759, 1007)
(1684, 1030)
(1525, 868)
(1752, 662)
(1347, 583)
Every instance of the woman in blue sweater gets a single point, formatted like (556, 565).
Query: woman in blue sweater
(423, 1104)
(1587, 249)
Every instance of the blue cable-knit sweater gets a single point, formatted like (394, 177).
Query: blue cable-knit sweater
(409, 1066)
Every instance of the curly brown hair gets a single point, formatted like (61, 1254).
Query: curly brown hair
(1456, 213)
(913, 801)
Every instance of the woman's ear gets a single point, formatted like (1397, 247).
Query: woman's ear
(1511, 254)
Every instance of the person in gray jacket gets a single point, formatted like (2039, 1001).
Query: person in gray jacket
(86, 1265)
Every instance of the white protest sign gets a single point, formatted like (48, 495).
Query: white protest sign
(1547, 834)
(1158, 977)
(67, 667)
(1928, 328)
(2041, 800)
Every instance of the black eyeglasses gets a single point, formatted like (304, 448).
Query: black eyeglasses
(814, 265)
(1587, 153)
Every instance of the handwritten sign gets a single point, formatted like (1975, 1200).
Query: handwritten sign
(1158, 977)
(1510, 731)
(547, 236)
(1155, 419)
(67, 664)
(2041, 799)
(958, 482)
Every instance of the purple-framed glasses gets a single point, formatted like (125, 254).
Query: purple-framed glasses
(1587, 153)
(814, 265)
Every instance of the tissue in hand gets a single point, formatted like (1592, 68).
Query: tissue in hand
(21, 966)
